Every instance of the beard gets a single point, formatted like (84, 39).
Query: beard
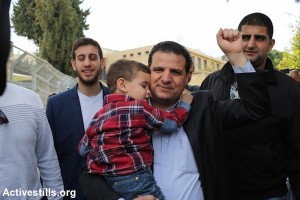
(88, 82)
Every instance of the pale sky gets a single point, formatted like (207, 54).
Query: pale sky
(120, 25)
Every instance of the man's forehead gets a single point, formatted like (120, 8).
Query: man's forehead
(254, 30)
(164, 59)
(86, 49)
(86, 54)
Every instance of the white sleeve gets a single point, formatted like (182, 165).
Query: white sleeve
(46, 156)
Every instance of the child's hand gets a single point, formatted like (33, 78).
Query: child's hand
(187, 97)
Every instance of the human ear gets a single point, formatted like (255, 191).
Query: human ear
(121, 85)
(73, 65)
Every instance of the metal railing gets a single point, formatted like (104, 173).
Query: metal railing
(34, 73)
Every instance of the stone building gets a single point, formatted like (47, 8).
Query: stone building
(203, 64)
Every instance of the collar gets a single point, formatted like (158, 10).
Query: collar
(103, 88)
(271, 72)
(227, 70)
(174, 106)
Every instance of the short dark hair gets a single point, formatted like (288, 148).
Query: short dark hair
(123, 68)
(83, 41)
(172, 47)
(258, 19)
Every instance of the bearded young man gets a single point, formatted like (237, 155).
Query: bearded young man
(70, 112)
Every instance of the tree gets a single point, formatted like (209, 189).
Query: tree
(53, 25)
(24, 21)
(291, 59)
(275, 56)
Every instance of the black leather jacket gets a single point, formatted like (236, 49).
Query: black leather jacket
(263, 154)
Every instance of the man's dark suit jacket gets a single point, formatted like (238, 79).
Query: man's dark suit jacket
(65, 118)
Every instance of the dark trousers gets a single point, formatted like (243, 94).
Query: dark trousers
(95, 187)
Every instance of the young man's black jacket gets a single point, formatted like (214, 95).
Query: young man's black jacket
(262, 154)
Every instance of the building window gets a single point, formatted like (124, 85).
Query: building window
(213, 66)
(131, 54)
(146, 52)
(124, 56)
(204, 64)
(139, 53)
(199, 64)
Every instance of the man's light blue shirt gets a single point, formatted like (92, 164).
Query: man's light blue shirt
(175, 169)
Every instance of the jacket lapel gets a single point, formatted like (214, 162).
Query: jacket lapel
(75, 109)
